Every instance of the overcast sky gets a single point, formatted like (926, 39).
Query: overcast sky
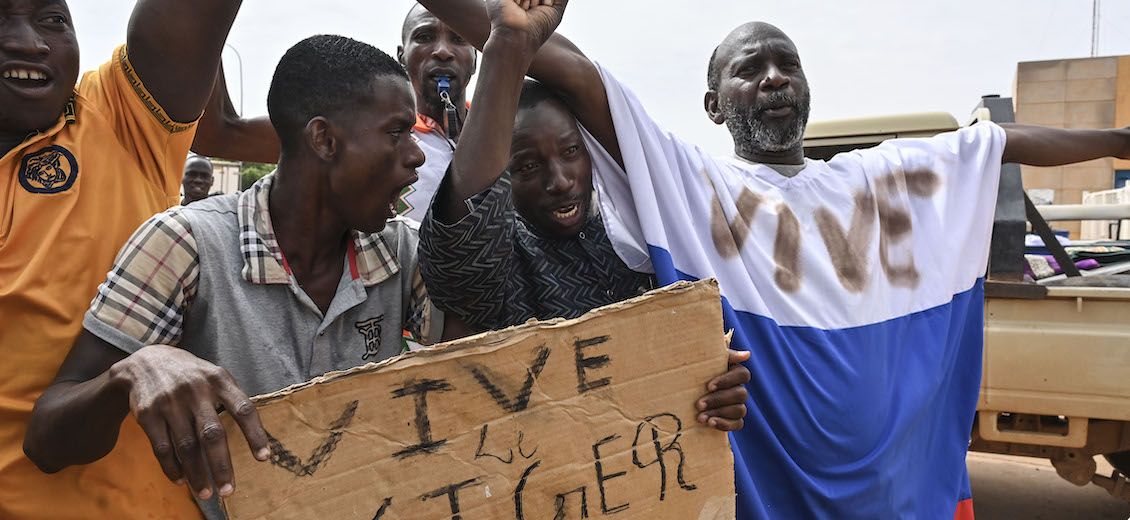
(867, 57)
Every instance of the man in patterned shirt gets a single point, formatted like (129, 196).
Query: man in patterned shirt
(524, 242)
(248, 293)
(492, 258)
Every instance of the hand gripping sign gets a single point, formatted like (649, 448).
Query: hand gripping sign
(552, 420)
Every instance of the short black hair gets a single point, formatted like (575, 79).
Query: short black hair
(534, 93)
(713, 75)
(321, 76)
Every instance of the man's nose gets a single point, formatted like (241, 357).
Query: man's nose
(558, 181)
(19, 37)
(774, 79)
(443, 50)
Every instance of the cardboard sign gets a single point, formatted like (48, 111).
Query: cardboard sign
(554, 420)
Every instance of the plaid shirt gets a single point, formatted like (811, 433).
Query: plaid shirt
(154, 278)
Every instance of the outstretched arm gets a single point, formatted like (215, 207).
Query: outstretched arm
(484, 150)
(559, 64)
(175, 47)
(223, 133)
(1042, 146)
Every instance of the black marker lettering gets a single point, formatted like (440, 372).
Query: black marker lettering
(590, 363)
(660, 450)
(419, 390)
(487, 380)
(384, 509)
(482, 442)
(521, 486)
(452, 493)
(559, 504)
(601, 477)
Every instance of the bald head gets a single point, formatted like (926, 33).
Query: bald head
(415, 15)
(744, 35)
(198, 163)
(758, 89)
(197, 178)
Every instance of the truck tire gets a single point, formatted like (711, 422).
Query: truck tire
(1120, 461)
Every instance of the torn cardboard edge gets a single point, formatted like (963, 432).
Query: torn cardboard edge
(501, 338)
(560, 419)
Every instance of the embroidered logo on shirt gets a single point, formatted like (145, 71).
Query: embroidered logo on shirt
(50, 170)
(371, 331)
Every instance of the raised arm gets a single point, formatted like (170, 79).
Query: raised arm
(223, 133)
(484, 150)
(559, 64)
(1043, 146)
(175, 45)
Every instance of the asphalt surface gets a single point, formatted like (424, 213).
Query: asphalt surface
(1021, 488)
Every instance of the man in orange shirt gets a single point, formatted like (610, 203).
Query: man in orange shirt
(82, 167)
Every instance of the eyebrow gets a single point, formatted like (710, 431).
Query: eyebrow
(429, 24)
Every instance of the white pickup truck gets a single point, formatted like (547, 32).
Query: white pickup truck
(1056, 375)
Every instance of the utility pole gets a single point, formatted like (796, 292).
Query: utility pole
(1096, 10)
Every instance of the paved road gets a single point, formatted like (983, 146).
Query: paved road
(1020, 488)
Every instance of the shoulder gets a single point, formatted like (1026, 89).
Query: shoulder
(400, 232)
(212, 208)
(167, 240)
(212, 214)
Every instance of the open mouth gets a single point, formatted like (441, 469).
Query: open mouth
(395, 200)
(28, 80)
(441, 73)
(567, 212)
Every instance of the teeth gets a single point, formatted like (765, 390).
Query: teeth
(24, 74)
(567, 213)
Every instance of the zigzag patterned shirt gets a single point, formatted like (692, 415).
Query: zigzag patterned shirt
(494, 270)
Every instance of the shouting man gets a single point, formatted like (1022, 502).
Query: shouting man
(856, 283)
(243, 294)
(84, 163)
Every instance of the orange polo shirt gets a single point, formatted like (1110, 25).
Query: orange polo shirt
(70, 197)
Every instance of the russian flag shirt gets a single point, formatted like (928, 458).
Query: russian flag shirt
(856, 285)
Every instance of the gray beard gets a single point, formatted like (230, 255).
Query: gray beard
(752, 133)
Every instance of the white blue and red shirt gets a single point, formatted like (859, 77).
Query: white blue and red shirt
(856, 285)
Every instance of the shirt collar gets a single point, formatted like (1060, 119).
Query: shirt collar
(427, 125)
(67, 118)
(263, 259)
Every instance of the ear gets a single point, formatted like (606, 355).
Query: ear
(400, 56)
(474, 61)
(321, 137)
(713, 110)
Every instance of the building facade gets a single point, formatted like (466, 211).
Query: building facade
(1074, 93)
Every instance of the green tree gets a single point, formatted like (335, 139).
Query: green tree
(250, 172)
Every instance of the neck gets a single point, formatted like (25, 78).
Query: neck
(9, 141)
(438, 112)
(311, 235)
(792, 156)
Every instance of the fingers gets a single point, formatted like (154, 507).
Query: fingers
(158, 432)
(727, 419)
(215, 442)
(738, 356)
(189, 452)
(723, 398)
(737, 375)
(246, 416)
